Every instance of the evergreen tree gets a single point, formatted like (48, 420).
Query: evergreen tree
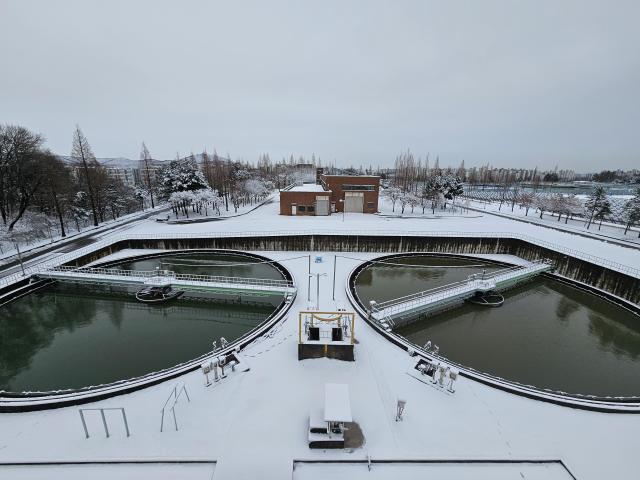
(632, 212)
(182, 175)
(595, 203)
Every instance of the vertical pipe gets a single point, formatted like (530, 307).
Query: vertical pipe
(126, 424)
(309, 281)
(84, 424)
(318, 291)
(175, 422)
(104, 422)
(186, 393)
(335, 257)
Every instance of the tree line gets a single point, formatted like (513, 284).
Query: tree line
(37, 186)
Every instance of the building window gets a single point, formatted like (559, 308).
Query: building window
(358, 188)
(370, 205)
(302, 208)
(311, 209)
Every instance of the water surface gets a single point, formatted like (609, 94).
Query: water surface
(547, 334)
(72, 336)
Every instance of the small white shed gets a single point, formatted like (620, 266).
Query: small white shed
(337, 406)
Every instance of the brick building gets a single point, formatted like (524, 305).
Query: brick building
(352, 193)
(305, 199)
(333, 193)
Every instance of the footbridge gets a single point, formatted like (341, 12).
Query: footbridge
(180, 281)
(397, 311)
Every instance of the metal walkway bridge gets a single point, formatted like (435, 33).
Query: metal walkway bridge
(187, 282)
(394, 312)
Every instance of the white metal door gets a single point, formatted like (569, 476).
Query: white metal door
(294, 209)
(353, 202)
(322, 206)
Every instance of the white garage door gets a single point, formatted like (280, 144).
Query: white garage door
(353, 202)
(322, 205)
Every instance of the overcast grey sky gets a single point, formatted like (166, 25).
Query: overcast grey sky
(512, 83)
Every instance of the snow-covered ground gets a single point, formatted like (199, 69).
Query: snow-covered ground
(9, 252)
(254, 424)
(606, 230)
(267, 219)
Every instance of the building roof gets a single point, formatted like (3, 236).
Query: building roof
(337, 407)
(308, 187)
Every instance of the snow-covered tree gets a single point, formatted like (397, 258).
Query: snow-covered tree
(181, 200)
(452, 187)
(413, 201)
(527, 200)
(556, 204)
(207, 198)
(597, 205)
(393, 194)
(572, 206)
(141, 194)
(182, 175)
(543, 204)
(255, 188)
(432, 190)
(632, 212)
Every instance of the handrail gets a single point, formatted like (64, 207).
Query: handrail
(445, 291)
(172, 275)
(632, 271)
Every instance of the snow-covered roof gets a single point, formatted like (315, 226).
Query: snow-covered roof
(337, 407)
(308, 187)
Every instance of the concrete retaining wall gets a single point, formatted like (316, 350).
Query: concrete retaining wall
(611, 281)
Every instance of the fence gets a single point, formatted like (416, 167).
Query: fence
(186, 277)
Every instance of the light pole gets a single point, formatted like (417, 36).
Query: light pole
(342, 202)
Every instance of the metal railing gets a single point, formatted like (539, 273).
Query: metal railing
(60, 260)
(184, 277)
(104, 419)
(175, 395)
(473, 282)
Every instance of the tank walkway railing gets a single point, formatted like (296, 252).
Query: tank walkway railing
(386, 312)
(113, 275)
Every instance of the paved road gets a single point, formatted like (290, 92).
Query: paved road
(47, 253)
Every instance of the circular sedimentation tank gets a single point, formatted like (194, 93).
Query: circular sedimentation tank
(67, 336)
(550, 333)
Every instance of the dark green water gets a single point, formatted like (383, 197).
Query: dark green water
(547, 334)
(224, 265)
(69, 336)
(390, 279)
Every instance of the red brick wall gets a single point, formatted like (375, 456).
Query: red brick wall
(287, 198)
(335, 182)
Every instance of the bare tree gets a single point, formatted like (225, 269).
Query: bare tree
(145, 156)
(58, 186)
(21, 174)
(82, 154)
